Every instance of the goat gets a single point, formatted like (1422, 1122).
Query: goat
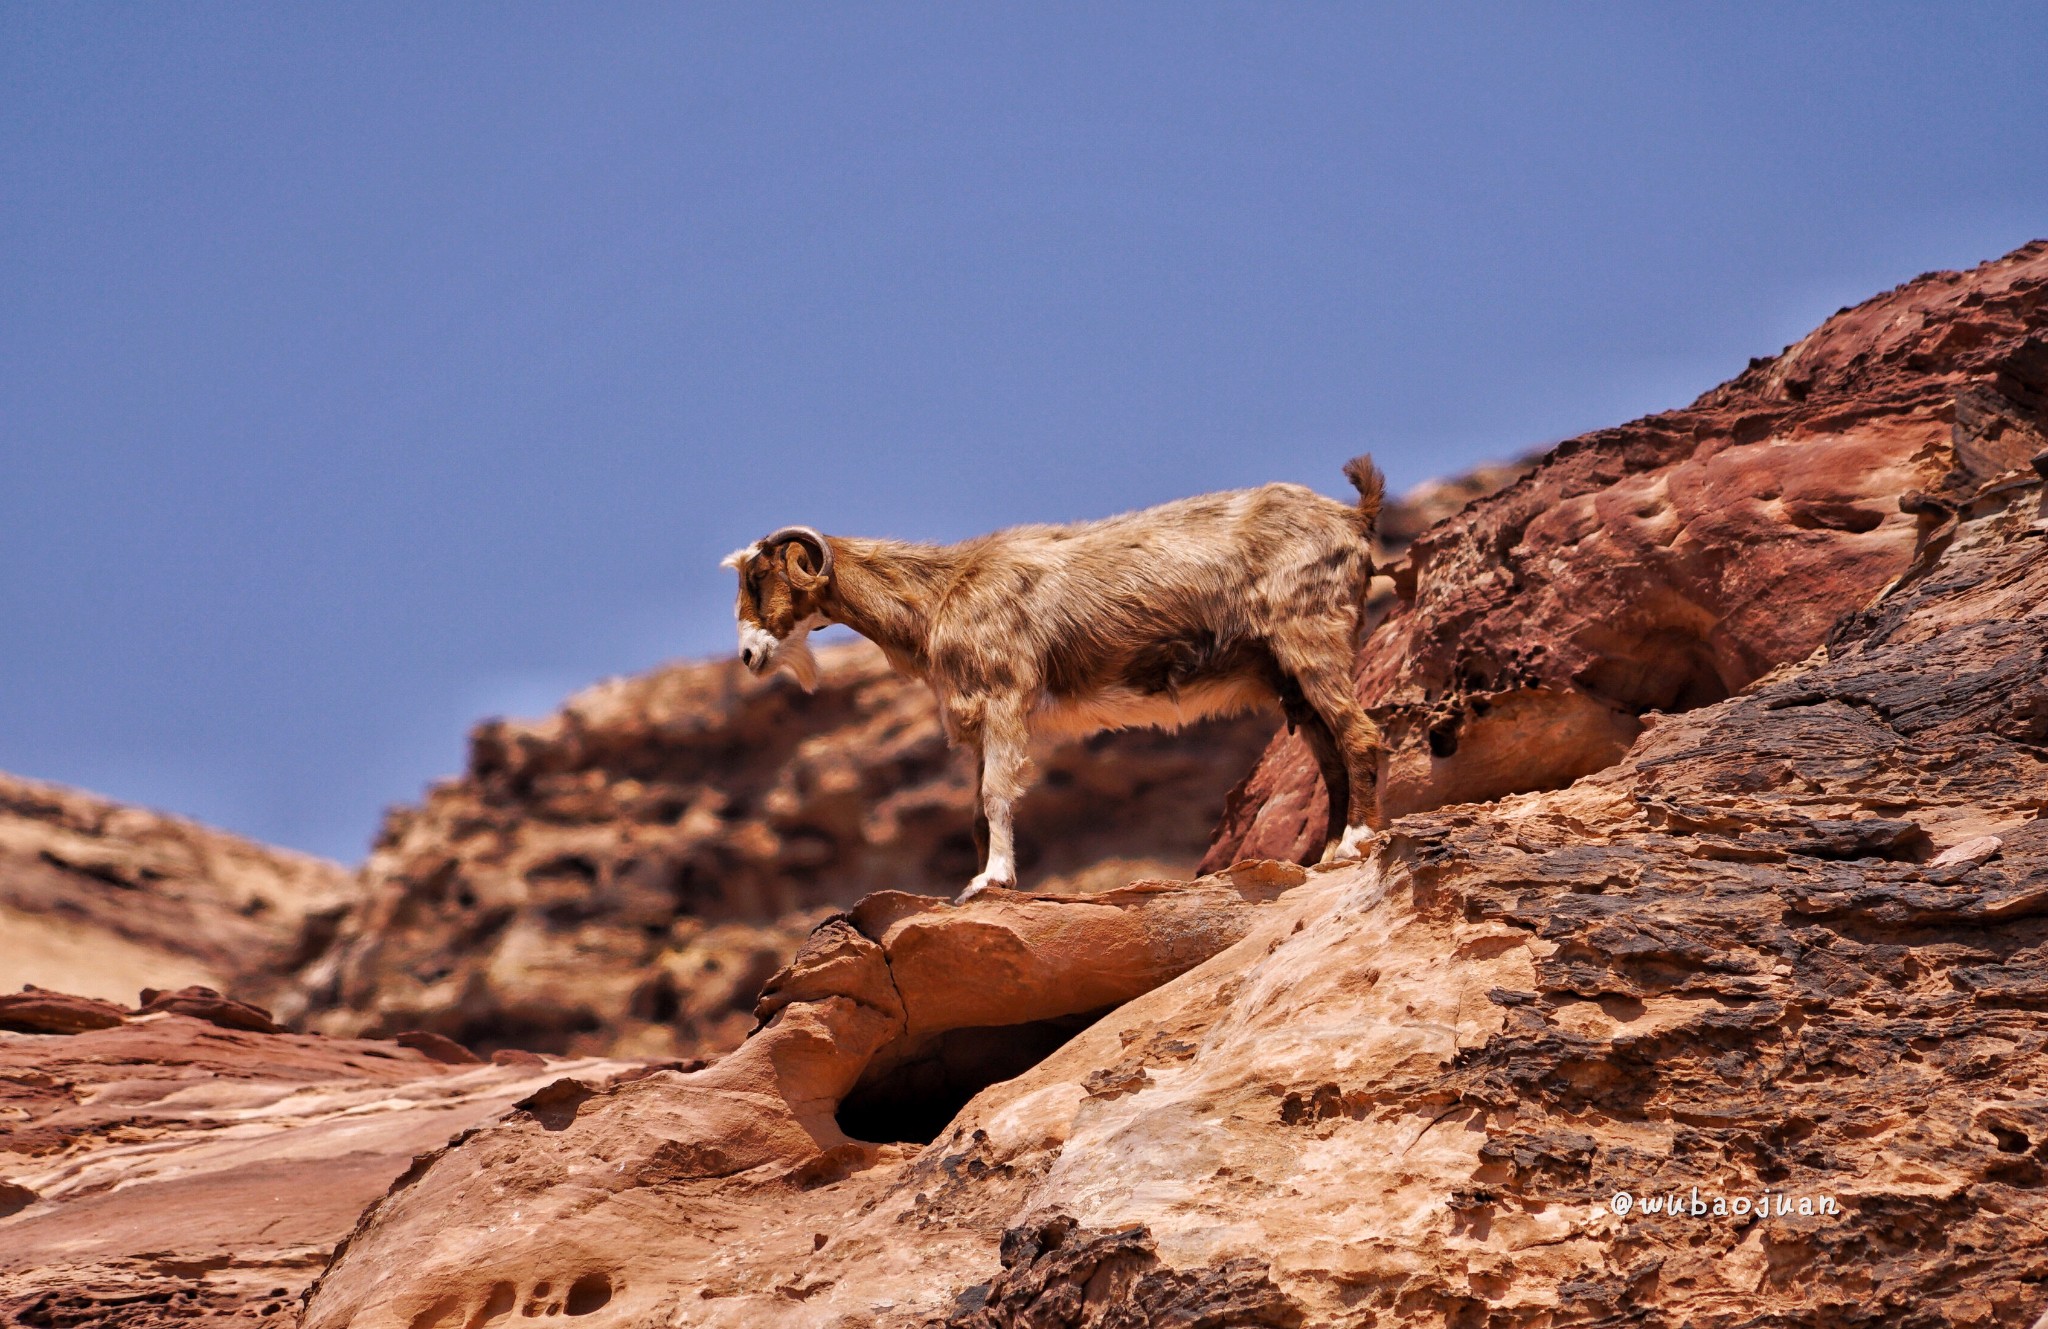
(1194, 608)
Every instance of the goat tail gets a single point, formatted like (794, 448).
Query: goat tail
(1372, 490)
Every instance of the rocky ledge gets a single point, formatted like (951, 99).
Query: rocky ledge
(1699, 980)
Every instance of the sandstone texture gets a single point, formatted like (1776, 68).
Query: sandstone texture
(101, 899)
(181, 1166)
(1775, 972)
(1671, 562)
(901, 1006)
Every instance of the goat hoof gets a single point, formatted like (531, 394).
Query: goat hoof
(980, 884)
(1357, 839)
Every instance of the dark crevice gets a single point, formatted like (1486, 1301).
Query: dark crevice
(913, 1096)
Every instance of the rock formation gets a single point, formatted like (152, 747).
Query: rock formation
(182, 1165)
(102, 899)
(1697, 981)
(1671, 562)
(1772, 975)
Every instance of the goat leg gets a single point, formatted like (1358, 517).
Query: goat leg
(1005, 763)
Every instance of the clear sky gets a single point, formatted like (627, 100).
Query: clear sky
(368, 368)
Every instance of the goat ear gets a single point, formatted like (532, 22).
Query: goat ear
(738, 557)
(796, 562)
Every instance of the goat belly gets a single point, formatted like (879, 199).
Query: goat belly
(1122, 708)
(1161, 684)
(1175, 664)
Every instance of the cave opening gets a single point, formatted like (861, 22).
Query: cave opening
(910, 1094)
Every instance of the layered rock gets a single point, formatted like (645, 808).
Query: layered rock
(1670, 562)
(1771, 976)
(1775, 976)
(183, 1165)
(103, 899)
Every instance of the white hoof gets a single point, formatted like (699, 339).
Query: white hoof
(1357, 839)
(980, 884)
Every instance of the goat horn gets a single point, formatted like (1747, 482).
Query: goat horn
(809, 537)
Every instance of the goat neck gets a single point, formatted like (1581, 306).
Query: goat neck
(886, 590)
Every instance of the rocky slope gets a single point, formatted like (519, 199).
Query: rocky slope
(1784, 949)
(1670, 562)
(1785, 944)
(1731, 966)
(103, 899)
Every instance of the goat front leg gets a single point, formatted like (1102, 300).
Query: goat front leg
(1005, 763)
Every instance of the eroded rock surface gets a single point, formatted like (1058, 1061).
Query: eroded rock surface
(160, 1168)
(1671, 562)
(1790, 950)
(864, 1028)
(102, 900)
(1774, 953)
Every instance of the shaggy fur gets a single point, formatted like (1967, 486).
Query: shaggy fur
(1161, 617)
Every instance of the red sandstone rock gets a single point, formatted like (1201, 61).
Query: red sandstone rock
(1671, 562)
(169, 1169)
(1790, 942)
(445, 1050)
(1767, 953)
(862, 1026)
(205, 1004)
(1732, 964)
(35, 1010)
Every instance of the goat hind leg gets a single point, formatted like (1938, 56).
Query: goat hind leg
(1336, 777)
(1328, 692)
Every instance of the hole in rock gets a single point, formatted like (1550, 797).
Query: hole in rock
(909, 1094)
(588, 1293)
(498, 1305)
(1665, 670)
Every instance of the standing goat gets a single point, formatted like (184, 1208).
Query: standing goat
(1161, 617)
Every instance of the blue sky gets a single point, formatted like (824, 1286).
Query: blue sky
(368, 368)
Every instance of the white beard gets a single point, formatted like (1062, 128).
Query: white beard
(794, 653)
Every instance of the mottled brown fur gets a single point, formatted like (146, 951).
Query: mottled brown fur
(1193, 608)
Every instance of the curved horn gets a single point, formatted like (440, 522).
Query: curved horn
(809, 537)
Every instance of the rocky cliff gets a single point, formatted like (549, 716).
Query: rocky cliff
(1741, 1027)
(1671, 562)
(1697, 981)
